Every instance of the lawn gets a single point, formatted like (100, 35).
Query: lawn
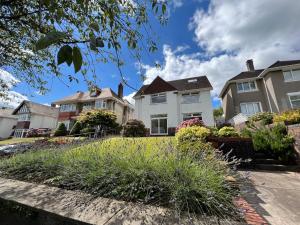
(148, 170)
(18, 140)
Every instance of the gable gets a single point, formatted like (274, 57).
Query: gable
(22, 108)
(158, 85)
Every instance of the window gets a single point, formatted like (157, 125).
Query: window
(188, 116)
(246, 86)
(192, 97)
(66, 122)
(20, 133)
(294, 100)
(250, 108)
(192, 81)
(291, 75)
(23, 117)
(100, 104)
(23, 109)
(159, 124)
(159, 98)
(87, 106)
(67, 108)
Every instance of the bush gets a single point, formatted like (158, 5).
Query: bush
(192, 134)
(266, 118)
(76, 128)
(87, 131)
(190, 123)
(147, 170)
(134, 128)
(290, 117)
(196, 148)
(39, 132)
(227, 132)
(98, 117)
(261, 140)
(61, 130)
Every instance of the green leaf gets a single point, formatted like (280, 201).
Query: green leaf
(99, 42)
(95, 26)
(65, 55)
(77, 59)
(51, 38)
(164, 8)
(95, 43)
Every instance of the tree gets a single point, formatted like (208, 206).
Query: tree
(97, 117)
(61, 130)
(38, 36)
(218, 112)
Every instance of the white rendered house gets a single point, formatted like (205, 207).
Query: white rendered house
(162, 105)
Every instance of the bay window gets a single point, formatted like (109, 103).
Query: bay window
(100, 104)
(159, 124)
(250, 108)
(291, 75)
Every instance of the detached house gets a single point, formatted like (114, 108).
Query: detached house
(274, 89)
(34, 115)
(162, 105)
(70, 107)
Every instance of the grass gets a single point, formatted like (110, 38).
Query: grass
(148, 170)
(17, 141)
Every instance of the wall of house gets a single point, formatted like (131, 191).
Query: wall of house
(39, 121)
(174, 108)
(119, 112)
(6, 125)
(278, 90)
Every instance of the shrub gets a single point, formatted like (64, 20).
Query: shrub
(39, 132)
(227, 132)
(190, 123)
(192, 134)
(266, 118)
(290, 117)
(246, 133)
(76, 128)
(98, 117)
(134, 128)
(196, 148)
(61, 130)
(87, 131)
(261, 140)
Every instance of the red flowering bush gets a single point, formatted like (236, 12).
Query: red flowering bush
(190, 123)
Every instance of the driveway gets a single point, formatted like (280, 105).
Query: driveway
(275, 196)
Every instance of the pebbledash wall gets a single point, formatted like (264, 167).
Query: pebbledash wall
(174, 108)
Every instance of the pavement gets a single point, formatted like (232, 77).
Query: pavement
(274, 195)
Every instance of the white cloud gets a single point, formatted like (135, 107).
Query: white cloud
(130, 97)
(12, 99)
(228, 34)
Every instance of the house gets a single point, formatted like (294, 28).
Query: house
(70, 107)
(34, 115)
(162, 105)
(273, 89)
(7, 122)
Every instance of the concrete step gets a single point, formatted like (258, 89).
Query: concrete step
(266, 161)
(276, 167)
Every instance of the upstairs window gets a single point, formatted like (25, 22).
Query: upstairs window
(23, 109)
(291, 75)
(159, 98)
(87, 106)
(250, 108)
(100, 104)
(67, 108)
(192, 97)
(246, 86)
(23, 117)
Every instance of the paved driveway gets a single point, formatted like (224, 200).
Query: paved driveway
(275, 196)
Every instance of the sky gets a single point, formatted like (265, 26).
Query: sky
(202, 37)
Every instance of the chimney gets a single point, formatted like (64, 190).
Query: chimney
(120, 90)
(250, 65)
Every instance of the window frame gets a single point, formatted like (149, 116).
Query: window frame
(27, 115)
(246, 103)
(249, 83)
(292, 75)
(157, 95)
(101, 103)
(190, 94)
(67, 108)
(192, 116)
(159, 117)
(293, 94)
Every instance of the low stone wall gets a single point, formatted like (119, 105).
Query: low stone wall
(295, 131)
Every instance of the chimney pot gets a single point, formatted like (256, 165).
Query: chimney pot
(120, 90)
(250, 65)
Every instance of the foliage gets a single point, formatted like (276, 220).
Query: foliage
(147, 170)
(195, 148)
(246, 133)
(134, 128)
(190, 123)
(192, 134)
(266, 118)
(41, 132)
(291, 117)
(38, 36)
(218, 112)
(76, 128)
(87, 131)
(98, 117)
(228, 132)
(61, 130)
(261, 140)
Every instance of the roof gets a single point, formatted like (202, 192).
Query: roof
(284, 63)
(37, 108)
(247, 75)
(160, 85)
(7, 113)
(85, 96)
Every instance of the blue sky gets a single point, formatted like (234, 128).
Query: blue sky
(202, 37)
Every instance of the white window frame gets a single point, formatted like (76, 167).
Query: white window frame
(293, 94)
(100, 104)
(247, 103)
(24, 117)
(67, 108)
(243, 83)
(191, 115)
(87, 105)
(190, 94)
(158, 117)
(292, 74)
(20, 133)
(158, 95)
(23, 109)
